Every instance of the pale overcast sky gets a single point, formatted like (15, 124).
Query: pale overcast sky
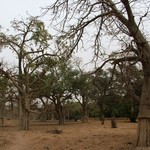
(10, 9)
(17, 9)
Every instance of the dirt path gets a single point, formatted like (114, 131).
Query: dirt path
(20, 141)
(28, 141)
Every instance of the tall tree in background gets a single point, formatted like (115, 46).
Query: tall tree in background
(131, 77)
(3, 98)
(60, 91)
(102, 84)
(82, 88)
(121, 19)
(30, 43)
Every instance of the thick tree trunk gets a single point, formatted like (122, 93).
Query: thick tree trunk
(60, 114)
(24, 120)
(143, 138)
(143, 132)
(61, 120)
(23, 115)
(84, 114)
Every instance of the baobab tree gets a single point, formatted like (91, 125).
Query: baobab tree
(122, 20)
(30, 43)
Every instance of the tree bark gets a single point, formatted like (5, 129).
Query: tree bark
(84, 115)
(143, 132)
(84, 111)
(2, 106)
(101, 108)
(143, 137)
(113, 122)
(102, 119)
(60, 114)
(23, 114)
(24, 120)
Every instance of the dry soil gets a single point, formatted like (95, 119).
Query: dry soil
(74, 136)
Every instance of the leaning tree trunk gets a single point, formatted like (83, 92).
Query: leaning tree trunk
(143, 134)
(24, 114)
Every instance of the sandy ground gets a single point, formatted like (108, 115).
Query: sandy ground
(74, 136)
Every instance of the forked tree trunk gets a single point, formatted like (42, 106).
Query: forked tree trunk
(143, 132)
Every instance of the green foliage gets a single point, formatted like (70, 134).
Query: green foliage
(114, 98)
(93, 110)
(3, 84)
(40, 34)
(74, 109)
